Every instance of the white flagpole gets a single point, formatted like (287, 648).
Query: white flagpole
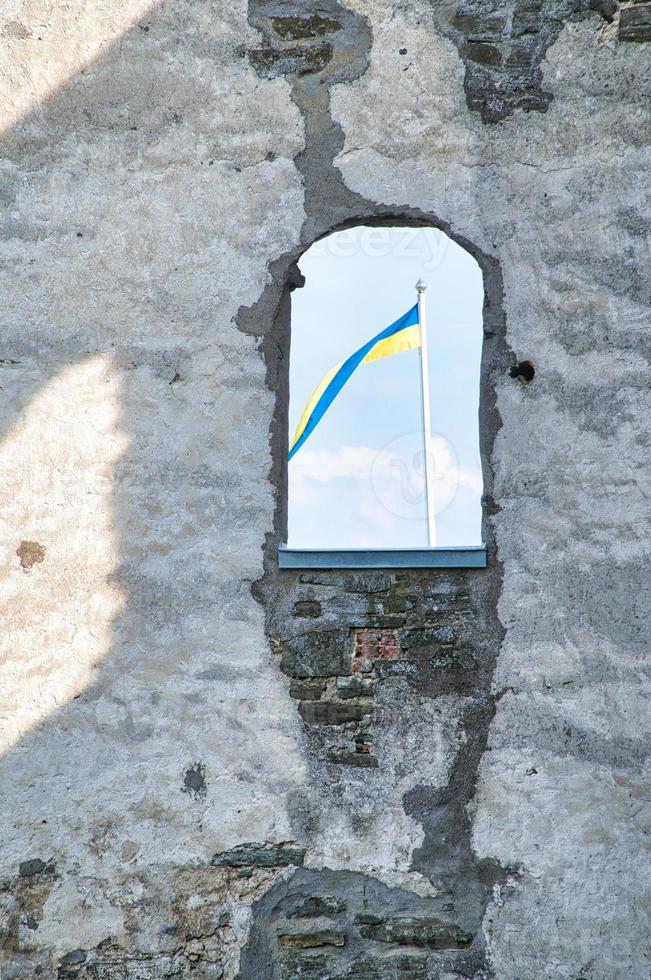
(425, 411)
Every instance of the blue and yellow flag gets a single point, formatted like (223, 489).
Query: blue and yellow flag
(404, 334)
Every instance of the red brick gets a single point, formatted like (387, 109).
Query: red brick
(372, 645)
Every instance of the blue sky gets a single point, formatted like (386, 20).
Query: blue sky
(357, 481)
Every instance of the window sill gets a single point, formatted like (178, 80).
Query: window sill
(473, 556)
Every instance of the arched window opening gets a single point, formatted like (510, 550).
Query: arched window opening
(358, 470)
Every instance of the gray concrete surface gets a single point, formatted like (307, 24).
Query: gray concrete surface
(173, 803)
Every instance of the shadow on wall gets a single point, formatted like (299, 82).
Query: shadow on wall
(157, 731)
(134, 458)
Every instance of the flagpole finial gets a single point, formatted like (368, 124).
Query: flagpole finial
(421, 286)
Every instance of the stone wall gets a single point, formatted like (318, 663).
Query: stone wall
(211, 768)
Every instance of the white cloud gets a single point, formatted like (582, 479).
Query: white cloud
(365, 462)
(360, 496)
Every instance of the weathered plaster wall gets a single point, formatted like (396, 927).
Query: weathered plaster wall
(211, 768)
(563, 209)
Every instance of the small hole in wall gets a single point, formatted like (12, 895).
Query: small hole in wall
(523, 370)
